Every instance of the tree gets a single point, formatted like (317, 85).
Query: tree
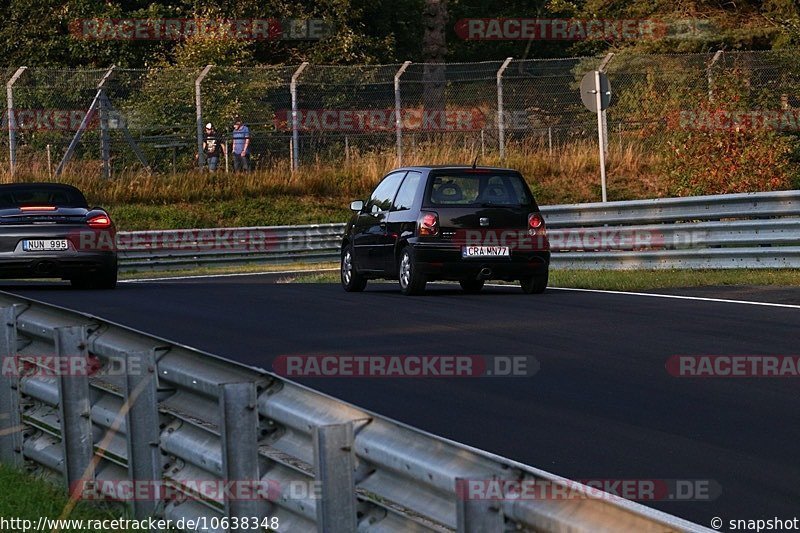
(434, 20)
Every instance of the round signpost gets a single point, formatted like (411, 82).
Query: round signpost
(596, 96)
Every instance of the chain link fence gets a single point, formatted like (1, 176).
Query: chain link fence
(333, 113)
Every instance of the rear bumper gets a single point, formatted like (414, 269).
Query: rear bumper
(63, 265)
(444, 261)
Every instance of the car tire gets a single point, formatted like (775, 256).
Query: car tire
(534, 284)
(104, 280)
(352, 281)
(472, 286)
(412, 281)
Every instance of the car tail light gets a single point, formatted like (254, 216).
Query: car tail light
(428, 224)
(38, 208)
(99, 222)
(535, 221)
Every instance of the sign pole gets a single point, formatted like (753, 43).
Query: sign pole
(600, 133)
(596, 96)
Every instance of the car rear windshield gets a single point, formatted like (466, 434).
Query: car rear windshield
(36, 195)
(478, 189)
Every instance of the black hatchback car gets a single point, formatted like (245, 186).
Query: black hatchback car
(460, 223)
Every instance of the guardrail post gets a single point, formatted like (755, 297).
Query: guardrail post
(12, 123)
(201, 158)
(74, 409)
(398, 117)
(474, 515)
(295, 133)
(501, 123)
(602, 68)
(10, 416)
(239, 434)
(142, 428)
(334, 463)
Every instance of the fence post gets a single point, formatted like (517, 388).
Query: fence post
(398, 118)
(602, 68)
(501, 125)
(334, 464)
(75, 410)
(73, 144)
(239, 435)
(105, 141)
(10, 416)
(12, 123)
(709, 75)
(142, 428)
(295, 133)
(201, 158)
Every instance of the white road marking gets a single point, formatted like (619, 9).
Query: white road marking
(231, 275)
(679, 297)
(627, 293)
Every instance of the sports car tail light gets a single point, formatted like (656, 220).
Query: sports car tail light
(99, 222)
(38, 208)
(428, 224)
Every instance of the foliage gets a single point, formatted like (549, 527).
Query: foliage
(41, 32)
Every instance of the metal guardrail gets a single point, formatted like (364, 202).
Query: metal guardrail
(181, 249)
(177, 416)
(690, 208)
(747, 230)
(752, 230)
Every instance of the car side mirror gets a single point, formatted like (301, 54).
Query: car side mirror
(356, 206)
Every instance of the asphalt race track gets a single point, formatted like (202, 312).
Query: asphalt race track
(602, 405)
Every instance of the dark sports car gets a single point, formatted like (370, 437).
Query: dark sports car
(47, 230)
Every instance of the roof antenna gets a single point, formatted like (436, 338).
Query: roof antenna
(475, 162)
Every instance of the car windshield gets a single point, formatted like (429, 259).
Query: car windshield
(478, 189)
(34, 195)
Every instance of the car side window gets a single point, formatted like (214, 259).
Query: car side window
(405, 196)
(384, 193)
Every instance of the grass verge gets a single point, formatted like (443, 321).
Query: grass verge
(321, 190)
(32, 498)
(238, 269)
(638, 280)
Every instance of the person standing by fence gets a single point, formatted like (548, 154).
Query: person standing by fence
(241, 146)
(212, 147)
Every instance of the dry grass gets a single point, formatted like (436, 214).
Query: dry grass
(570, 174)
